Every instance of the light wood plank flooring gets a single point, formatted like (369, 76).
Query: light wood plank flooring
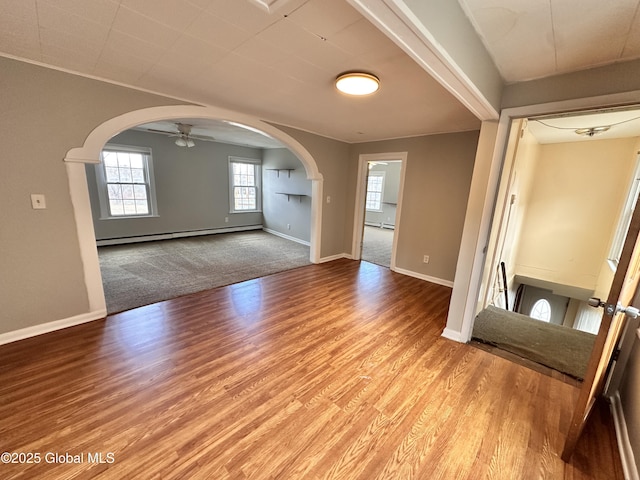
(332, 371)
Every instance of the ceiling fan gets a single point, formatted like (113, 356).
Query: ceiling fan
(184, 136)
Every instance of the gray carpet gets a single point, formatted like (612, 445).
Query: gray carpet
(376, 245)
(561, 348)
(138, 274)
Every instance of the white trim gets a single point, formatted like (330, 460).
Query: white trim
(452, 335)
(257, 174)
(79, 193)
(484, 191)
(43, 328)
(624, 218)
(361, 197)
(288, 237)
(170, 236)
(150, 183)
(427, 278)
(629, 466)
(338, 256)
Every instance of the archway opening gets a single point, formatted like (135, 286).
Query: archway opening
(90, 153)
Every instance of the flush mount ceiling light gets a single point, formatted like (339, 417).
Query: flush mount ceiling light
(591, 131)
(357, 83)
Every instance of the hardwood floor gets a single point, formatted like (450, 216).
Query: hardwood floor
(331, 371)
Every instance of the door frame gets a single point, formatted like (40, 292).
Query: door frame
(361, 197)
(483, 197)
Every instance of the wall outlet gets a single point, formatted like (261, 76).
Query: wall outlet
(425, 259)
(38, 201)
(226, 219)
(288, 226)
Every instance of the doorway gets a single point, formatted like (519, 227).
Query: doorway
(381, 204)
(378, 207)
(560, 173)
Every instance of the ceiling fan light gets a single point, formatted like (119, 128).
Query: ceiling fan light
(181, 142)
(591, 131)
(357, 83)
(189, 143)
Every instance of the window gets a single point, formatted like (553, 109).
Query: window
(625, 218)
(125, 183)
(244, 184)
(375, 187)
(541, 310)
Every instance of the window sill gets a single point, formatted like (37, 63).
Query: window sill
(124, 217)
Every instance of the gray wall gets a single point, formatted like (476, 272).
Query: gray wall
(192, 187)
(44, 114)
(332, 158)
(289, 215)
(437, 180)
(629, 394)
(610, 79)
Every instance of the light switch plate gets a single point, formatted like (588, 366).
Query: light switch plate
(38, 201)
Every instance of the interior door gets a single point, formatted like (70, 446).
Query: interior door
(623, 287)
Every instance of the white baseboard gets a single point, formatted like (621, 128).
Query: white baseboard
(169, 236)
(453, 335)
(629, 466)
(438, 281)
(288, 237)
(35, 330)
(335, 257)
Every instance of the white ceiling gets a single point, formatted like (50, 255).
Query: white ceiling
(234, 54)
(530, 39)
(537, 38)
(561, 129)
(277, 59)
(206, 129)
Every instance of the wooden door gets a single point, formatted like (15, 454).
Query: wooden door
(623, 287)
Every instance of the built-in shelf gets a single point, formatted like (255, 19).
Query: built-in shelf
(294, 195)
(278, 170)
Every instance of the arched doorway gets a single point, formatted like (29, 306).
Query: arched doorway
(90, 153)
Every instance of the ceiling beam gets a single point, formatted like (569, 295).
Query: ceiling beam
(440, 38)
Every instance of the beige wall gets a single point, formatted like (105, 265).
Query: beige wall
(436, 190)
(577, 191)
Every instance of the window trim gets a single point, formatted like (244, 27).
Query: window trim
(376, 173)
(624, 220)
(257, 163)
(103, 197)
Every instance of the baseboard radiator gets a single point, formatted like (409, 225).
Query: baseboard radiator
(169, 236)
